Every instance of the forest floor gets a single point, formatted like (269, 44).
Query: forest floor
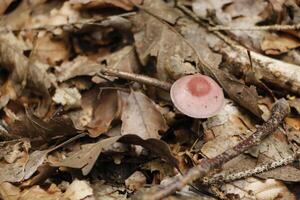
(141, 99)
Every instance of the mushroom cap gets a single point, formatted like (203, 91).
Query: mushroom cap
(197, 96)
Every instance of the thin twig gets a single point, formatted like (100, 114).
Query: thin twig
(275, 27)
(279, 111)
(138, 78)
(225, 177)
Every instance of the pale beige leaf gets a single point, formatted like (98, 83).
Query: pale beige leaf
(9, 191)
(69, 97)
(79, 189)
(135, 181)
(255, 189)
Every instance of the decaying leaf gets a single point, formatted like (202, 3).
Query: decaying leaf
(141, 117)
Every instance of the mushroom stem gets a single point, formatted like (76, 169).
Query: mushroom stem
(138, 78)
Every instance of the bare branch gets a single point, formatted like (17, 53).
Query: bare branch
(138, 78)
(275, 27)
(224, 177)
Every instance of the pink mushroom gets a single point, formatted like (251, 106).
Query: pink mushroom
(197, 96)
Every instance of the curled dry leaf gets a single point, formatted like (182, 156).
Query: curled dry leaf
(141, 117)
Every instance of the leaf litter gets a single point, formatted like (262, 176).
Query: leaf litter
(86, 112)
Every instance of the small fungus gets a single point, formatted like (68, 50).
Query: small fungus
(197, 96)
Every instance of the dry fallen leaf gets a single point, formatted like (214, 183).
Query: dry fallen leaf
(156, 40)
(50, 50)
(141, 117)
(104, 112)
(79, 189)
(86, 157)
(80, 66)
(4, 4)
(275, 45)
(226, 129)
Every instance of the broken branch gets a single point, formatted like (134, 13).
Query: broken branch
(279, 111)
(138, 78)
